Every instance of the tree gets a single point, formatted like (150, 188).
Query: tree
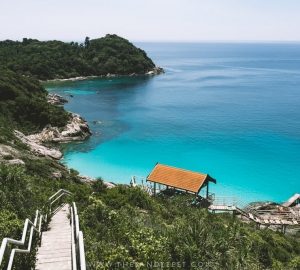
(25, 41)
(87, 42)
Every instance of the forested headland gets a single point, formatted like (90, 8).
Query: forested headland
(56, 59)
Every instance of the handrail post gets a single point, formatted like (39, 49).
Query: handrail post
(76, 226)
(11, 259)
(2, 249)
(73, 247)
(81, 250)
(78, 240)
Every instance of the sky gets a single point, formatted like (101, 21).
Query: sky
(155, 20)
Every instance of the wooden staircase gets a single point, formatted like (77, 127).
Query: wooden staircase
(55, 250)
(62, 245)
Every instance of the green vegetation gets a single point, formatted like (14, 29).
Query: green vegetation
(143, 229)
(126, 225)
(23, 105)
(56, 59)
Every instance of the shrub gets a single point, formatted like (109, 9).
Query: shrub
(7, 157)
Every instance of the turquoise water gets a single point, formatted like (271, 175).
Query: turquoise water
(230, 110)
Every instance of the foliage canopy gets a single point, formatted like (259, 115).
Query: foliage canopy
(23, 103)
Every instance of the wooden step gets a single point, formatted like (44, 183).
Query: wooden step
(55, 250)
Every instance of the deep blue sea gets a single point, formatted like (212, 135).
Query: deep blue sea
(229, 110)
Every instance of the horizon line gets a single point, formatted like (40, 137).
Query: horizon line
(220, 41)
(177, 41)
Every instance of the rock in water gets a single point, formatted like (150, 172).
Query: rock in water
(156, 71)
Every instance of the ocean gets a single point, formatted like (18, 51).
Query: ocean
(227, 109)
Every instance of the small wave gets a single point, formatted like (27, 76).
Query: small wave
(172, 69)
(261, 69)
(79, 92)
(215, 78)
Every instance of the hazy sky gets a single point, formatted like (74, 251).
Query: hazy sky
(155, 20)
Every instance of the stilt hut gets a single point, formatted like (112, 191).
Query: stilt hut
(179, 179)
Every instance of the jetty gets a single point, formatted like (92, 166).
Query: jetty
(170, 181)
(280, 216)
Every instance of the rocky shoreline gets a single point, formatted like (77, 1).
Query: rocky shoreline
(38, 149)
(155, 71)
(56, 99)
(12, 156)
(77, 129)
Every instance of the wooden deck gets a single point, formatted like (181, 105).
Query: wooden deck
(273, 218)
(291, 200)
(215, 207)
(55, 250)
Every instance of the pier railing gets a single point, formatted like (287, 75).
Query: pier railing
(233, 201)
(203, 194)
(141, 182)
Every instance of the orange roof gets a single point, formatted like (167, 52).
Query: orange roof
(178, 178)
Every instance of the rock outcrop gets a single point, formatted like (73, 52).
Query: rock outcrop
(16, 162)
(156, 71)
(89, 180)
(9, 155)
(77, 129)
(37, 149)
(56, 99)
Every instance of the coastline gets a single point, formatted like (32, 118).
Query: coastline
(155, 71)
(77, 129)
